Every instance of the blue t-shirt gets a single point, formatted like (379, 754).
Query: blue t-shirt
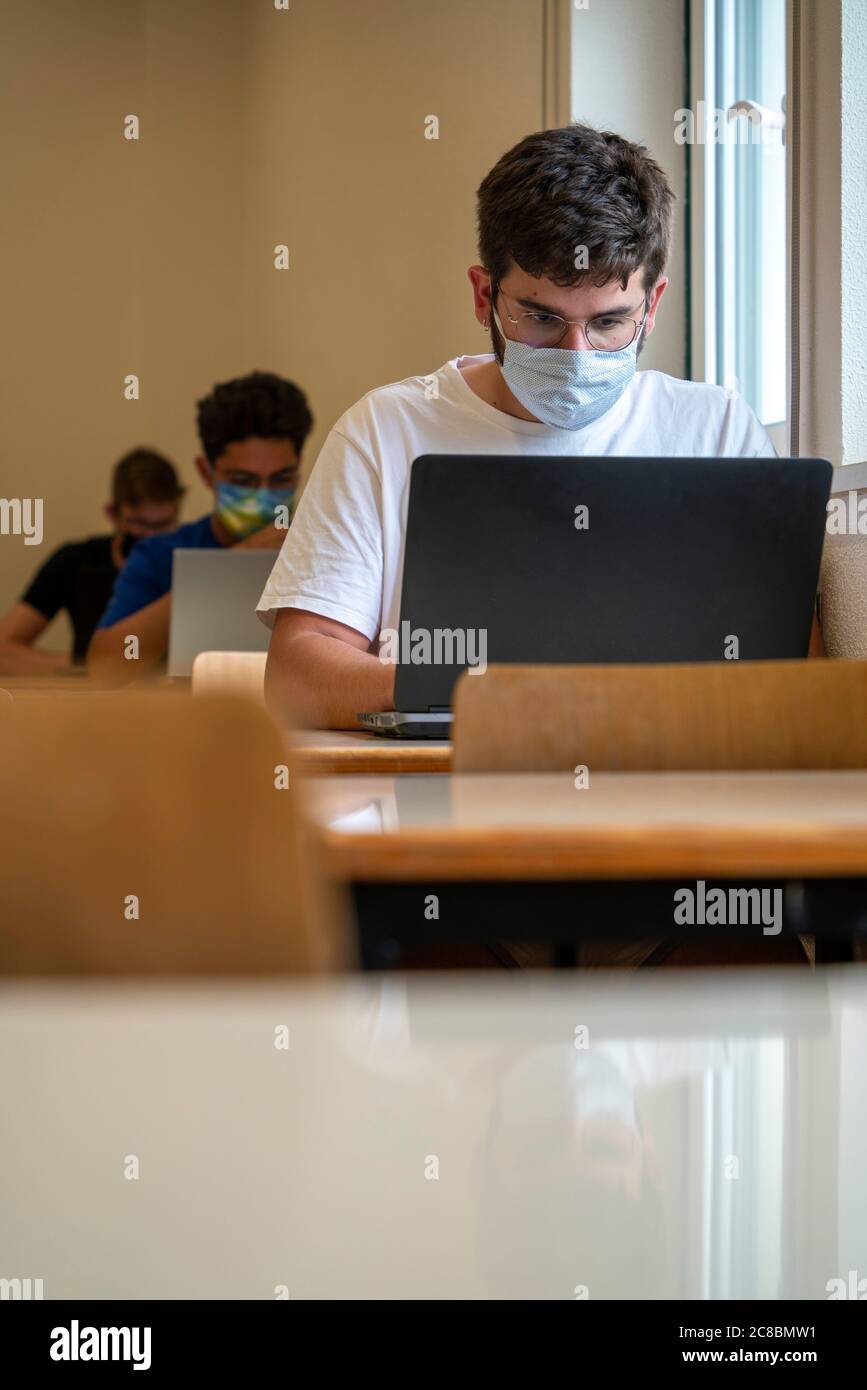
(147, 574)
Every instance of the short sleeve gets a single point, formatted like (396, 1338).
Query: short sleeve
(137, 585)
(331, 561)
(743, 435)
(50, 588)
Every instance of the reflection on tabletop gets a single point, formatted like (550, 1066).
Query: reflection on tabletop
(701, 1136)
(737, 799)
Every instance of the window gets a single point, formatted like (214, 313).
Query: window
(738, 177)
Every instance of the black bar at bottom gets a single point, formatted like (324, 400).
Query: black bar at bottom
(237, 1338)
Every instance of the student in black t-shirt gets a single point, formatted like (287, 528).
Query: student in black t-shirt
(80, 576)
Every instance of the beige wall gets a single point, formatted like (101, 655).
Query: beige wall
(259, 127)
(379, 221)
(117, 256)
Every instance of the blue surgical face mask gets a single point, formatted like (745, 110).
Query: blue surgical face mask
(565, 388)
(244, 510)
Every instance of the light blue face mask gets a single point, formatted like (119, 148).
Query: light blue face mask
(565, 388)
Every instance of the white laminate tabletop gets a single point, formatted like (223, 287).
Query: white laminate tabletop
(551, 800)
(696, 1136)
(646, 824)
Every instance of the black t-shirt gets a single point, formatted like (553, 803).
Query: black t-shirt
(78, 577)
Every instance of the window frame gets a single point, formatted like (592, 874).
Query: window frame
(707, 234)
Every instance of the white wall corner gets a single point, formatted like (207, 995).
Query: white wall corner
(854, 231)
(556, 63)
(832, 297)
(833, 287)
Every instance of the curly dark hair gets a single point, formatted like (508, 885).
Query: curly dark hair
(261, 406)
(559, 190)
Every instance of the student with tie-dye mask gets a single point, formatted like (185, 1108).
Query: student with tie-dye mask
(252, 432)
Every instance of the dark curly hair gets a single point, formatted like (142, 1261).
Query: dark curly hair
(559, 190)
(261, 406)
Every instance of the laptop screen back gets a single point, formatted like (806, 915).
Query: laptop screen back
(214, 597)
(541, 559)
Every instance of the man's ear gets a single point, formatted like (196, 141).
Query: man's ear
(481, 283)
(110, 512)
(655, 296)
(204, 470)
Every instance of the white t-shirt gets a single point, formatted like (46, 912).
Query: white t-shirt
(343, 554)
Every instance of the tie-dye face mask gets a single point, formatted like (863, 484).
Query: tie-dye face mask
(243, 510)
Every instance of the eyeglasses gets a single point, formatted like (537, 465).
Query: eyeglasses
(604, 332)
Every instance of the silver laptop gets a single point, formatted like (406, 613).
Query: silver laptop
(214, 598)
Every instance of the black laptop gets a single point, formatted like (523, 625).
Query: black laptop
(537, 560)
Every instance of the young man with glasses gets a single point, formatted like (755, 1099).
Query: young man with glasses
(79, 577)
(574, 235)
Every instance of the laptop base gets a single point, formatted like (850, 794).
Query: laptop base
(397, 724)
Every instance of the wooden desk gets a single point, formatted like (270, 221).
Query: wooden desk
(16, 687)
(626, 825)
(521, 853)
(318, 751)
(28, 687)
(327, 751)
